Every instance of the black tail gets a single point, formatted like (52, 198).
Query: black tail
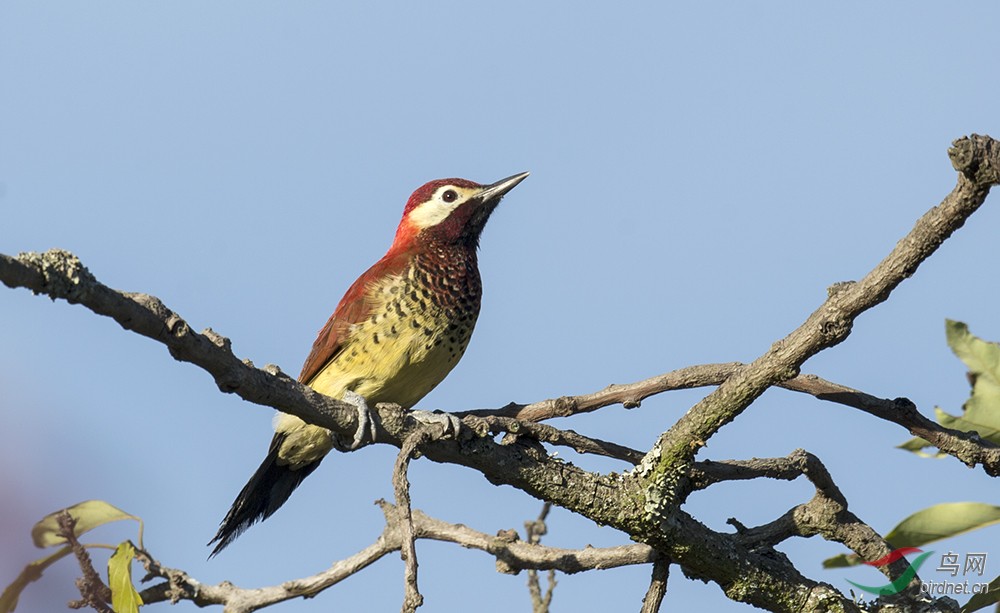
(263, 494)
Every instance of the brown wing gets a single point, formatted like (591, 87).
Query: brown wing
(356, 306)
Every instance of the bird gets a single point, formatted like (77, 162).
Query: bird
(400, 328)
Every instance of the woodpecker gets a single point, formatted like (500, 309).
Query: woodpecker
(396, 333)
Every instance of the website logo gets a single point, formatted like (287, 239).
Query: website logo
(903, 580)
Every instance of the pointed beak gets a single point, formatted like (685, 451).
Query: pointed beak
(485, 202)
(496, 190)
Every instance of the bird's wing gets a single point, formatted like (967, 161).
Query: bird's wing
(356, 306)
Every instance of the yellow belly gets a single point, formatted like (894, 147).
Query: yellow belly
(398, 355)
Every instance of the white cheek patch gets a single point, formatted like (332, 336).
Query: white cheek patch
(436, 210)
(431, 213)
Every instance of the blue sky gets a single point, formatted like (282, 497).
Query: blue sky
(701, 172)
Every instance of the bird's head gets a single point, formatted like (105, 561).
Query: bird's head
(450, 212)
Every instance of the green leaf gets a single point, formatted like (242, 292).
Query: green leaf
(928, 525)
(843, 560)
(980, 356)
(981, 412)
(88, 514)
(917, 445)
(942, 521)
(985, 599)
(124, 598)
(31, 572)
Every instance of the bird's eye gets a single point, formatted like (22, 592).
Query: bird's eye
(450, 196)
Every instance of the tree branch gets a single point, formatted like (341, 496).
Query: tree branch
(657, 586)
(95, 593)
(976, 160)
(831, 323)
(404, 516)
(512, 555)
(826, 514)
(521, 462)
(664, 471)
(967, 447)
(644, 503)
(60, 274)
(548, 434)
(534, 531)
(629, 395)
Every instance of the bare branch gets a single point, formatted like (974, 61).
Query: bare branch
(657, 586)
(665, 468)
(534, 531)
(825, 514)
(180, 586)
(404, 516)
(798, 463)
(521, 464)
(629, 395)
(60, 274)
(512, 554)
(95, 593)
(548, 434)
(967, 447)
(831, 323)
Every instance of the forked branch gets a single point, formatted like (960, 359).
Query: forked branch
(645, 503)
(512, 554)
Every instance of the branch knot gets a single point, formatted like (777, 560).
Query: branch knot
(977, 158)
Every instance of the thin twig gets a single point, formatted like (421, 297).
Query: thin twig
(534, 531)
(657, 586)
(178, 585)
(412, 599)
(94, 592)
(512, 556)
(629, 395)
(965, 446)
(547, 434)
(968, 447)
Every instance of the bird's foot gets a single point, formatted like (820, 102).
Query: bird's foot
(449, 424)
(365, 434)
